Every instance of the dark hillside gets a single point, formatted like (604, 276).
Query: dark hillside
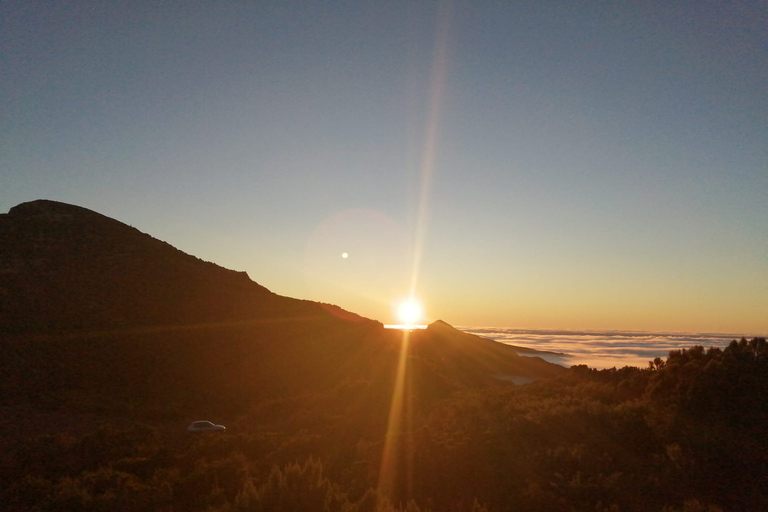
(99, 316)
(66, 268)
(106, 328)
(111, 342)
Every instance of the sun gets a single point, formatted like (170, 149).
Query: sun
(409, 312)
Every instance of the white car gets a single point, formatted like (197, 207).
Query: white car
(205, 426)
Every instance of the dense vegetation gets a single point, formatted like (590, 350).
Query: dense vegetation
(684, 434)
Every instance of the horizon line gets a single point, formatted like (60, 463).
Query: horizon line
(405, 327)
(608, 331)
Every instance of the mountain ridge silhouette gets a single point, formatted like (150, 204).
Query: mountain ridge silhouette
(97, 310)
(65, 267)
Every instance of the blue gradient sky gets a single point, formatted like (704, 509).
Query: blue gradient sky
(534, 165)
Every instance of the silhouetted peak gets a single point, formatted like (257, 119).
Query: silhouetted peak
(441, 325)
(51, 210)
(45, 224)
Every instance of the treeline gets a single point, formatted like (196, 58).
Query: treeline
(689, 433)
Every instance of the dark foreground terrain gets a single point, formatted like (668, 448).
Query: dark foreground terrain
(112, 342)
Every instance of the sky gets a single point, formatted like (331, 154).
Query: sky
(533, 165)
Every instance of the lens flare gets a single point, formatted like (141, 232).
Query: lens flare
(397, 454)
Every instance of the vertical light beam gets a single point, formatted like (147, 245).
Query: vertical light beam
(437, 86)
(390, 457)
(399, 410)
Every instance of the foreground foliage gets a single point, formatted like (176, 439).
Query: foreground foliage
(684, 434)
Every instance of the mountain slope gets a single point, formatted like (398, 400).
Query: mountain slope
(99, 316)
(64, 268)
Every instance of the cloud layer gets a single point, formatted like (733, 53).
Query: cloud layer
(603, 349)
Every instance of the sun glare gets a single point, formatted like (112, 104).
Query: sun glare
(409, 312)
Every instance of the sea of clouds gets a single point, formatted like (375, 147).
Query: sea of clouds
(603, 349)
